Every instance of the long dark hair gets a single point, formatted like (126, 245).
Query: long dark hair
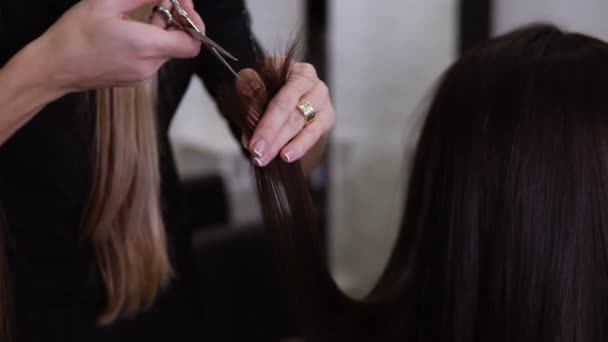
(505, 227)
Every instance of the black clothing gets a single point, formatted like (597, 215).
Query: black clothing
(44, 175)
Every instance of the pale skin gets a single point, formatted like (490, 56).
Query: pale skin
(94, 46)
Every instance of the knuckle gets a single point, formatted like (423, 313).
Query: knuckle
(265, 132)
(296, 121)
(293, 89)
(310, 136)
(299, 84)
(281, 104)
(324, 89)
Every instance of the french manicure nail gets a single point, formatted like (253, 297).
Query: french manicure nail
(259, 148)
(288, 156)
(258, 162)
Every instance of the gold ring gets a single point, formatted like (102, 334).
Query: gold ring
(307, 110)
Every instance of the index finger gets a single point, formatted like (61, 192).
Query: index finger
(302, 80)
(156, 42)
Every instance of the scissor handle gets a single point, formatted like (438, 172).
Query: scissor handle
(180, 9)
(169, 18)
(192, 28)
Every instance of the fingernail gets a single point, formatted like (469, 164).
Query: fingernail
(258, 162)
(288, 156)
(259, 148)
(245, 142)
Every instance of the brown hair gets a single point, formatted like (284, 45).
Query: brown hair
(504, 228)
(287, 207)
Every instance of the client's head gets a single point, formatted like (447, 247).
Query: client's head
(505, 231)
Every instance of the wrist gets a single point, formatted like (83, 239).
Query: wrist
(31, 72)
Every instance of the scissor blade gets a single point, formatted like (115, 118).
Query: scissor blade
(221, 59)
(211, 44)
(179, 8)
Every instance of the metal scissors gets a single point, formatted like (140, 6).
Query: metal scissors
(186, 24)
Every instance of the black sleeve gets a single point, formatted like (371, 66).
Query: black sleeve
(228, 23)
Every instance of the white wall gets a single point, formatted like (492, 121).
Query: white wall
(587, 16)
(385, 57)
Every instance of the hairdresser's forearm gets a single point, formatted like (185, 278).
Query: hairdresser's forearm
(26, 86)
(314, 156)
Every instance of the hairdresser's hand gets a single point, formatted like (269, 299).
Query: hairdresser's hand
(94, 45)
(282, 129)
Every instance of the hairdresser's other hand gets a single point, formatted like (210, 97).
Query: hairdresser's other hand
(282, 129)
(94, 45)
